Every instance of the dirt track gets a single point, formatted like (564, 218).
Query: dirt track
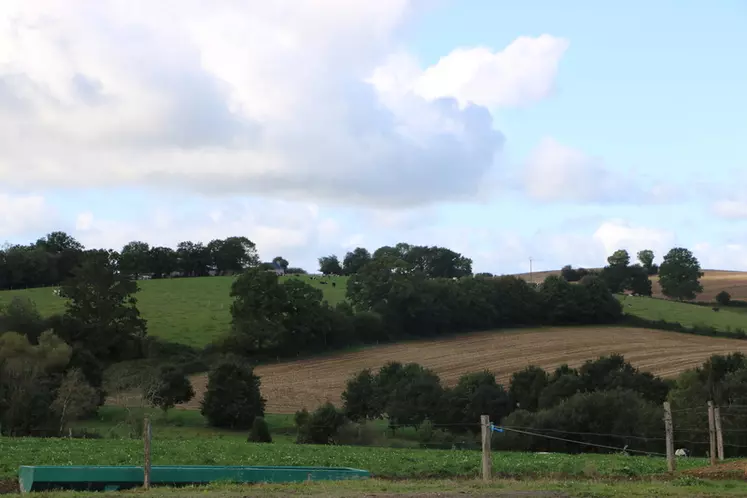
(307, 383)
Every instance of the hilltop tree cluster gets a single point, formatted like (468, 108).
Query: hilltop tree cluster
(50, 260)
(431, 261)
(679, 274)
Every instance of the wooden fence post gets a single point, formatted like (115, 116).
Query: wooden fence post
(146, 441)
(671, 462)
(712, 432)
(719, 435)
(487, 461)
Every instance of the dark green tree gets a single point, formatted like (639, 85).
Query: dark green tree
(360, 397)
(233, 398)
(474, 395)
(416, 396)
(526, 387)
(638, 282)
(135, 259)
(194, 258)
(321, 426)
(163, 261)
(646, 258)
(723, 298)
(619, 258)
(679, 275)
(355, 260)
(330, 265)
(169, 388)
(101, 319)
(260, 431)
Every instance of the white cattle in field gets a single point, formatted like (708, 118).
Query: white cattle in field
(682, 452)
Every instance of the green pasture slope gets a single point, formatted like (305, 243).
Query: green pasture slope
(192, 311)
(688, 314)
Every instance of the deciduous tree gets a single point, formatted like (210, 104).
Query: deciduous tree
(679, 275)
(355, 260)
(233, 398)
(330, 265)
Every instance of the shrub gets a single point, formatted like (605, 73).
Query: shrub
(621, 412)
(169, 388)
(321, 426)
(233, 398)
(260, 431)
(723, 298)
(354, 434)
(425, 432)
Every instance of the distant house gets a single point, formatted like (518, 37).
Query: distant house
(279, 270)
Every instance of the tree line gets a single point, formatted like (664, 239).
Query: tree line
(50, 260)
(390, 299)
(602, 406)
(679, 273)
(432, 261)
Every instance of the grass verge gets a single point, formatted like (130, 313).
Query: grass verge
(504, 488)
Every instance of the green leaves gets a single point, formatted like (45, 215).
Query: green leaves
(679, 274)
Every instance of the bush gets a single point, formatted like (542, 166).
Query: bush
(723, 298)
(354, 434)
(260, 431)
(233, 398)
(621, 412)
(169, 388)
(321, 426)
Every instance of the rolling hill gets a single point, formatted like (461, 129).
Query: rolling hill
(196, 311)
(192, 311)
(290, 386)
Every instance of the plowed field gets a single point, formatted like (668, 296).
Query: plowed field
(307, 383)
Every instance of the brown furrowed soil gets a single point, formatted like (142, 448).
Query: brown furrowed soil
(308, 383)
(736, 470)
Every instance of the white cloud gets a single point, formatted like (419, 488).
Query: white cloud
(722, 256)
(523, 73)
(619, 234)
(250, 97)
(556, 172)
(20, 215)
(730, 209)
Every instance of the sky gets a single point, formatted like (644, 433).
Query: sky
(556, 131)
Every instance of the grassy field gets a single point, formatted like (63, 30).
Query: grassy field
(292, 385)
(381, 462)
(193, 311)
(181, 437)
(502, 488)
(727, 319)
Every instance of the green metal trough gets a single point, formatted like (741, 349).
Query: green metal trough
(111, 478)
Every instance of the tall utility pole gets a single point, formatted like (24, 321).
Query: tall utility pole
(531, 276)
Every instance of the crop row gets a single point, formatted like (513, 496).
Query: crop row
(381, 462)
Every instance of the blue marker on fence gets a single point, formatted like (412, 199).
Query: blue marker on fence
(496, 429)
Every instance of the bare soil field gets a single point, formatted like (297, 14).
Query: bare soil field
(308, 383)
(713, 281)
